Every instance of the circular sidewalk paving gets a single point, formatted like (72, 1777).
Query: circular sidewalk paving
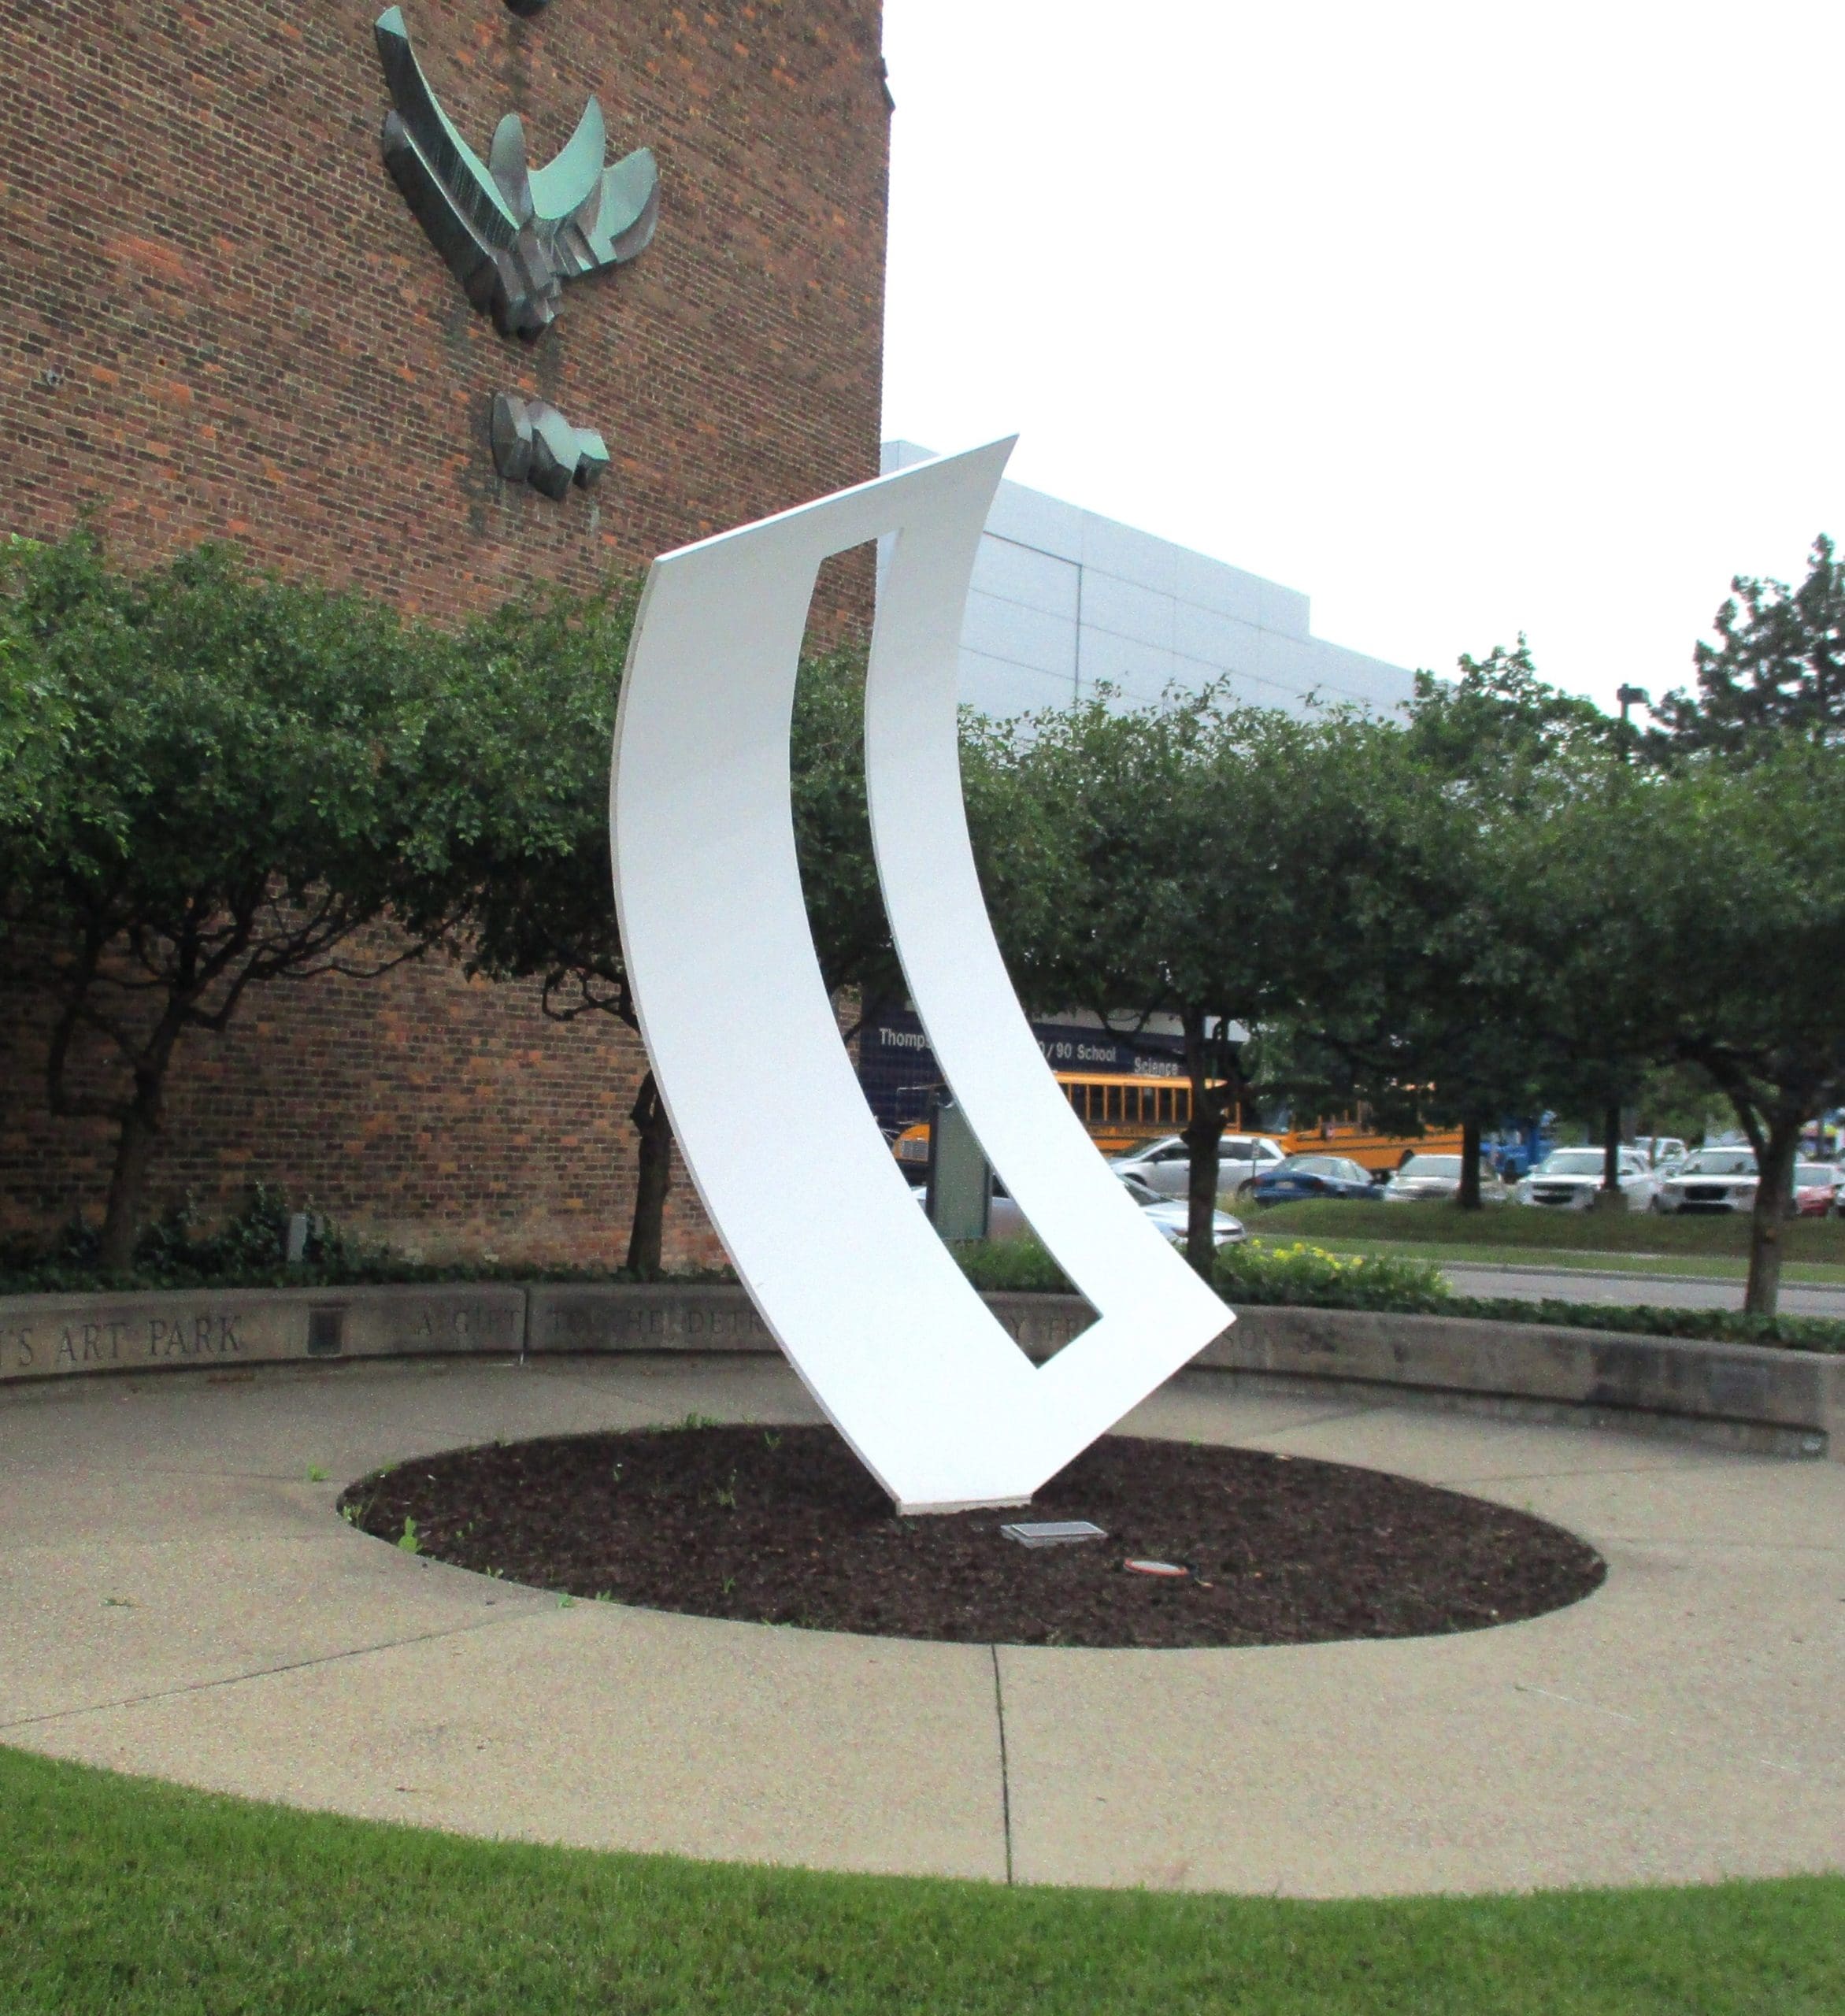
(178, 1599)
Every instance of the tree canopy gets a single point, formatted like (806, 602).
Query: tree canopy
(1691, 907)
(227, 780)
(1777, 666)
(544, 672)
(1213, 862)
(212, 781)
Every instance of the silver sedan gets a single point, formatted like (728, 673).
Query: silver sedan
(1006, 1221)
(1431, 1179)
(1172, 1215)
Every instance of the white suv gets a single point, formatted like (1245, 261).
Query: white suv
(1713, 1179)
(1568, 1179)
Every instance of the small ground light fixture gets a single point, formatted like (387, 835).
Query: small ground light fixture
(1052, 1532)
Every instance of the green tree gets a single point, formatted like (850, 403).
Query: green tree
(35, 726)
(1499, 724)
(1677, 917)
(1588, 1014)
(545, 672)
(1749, 958)
(1777, 667)
(1211, 862)
(229, 785)
(1700, 889)
(1495, 1025)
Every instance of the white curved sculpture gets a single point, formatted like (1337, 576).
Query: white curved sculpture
(936, 1399)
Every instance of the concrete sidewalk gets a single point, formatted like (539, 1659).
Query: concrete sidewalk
(177, 1599)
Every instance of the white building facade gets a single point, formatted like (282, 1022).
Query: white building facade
(1063, 600)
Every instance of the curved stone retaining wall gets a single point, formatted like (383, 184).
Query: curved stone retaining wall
(1738, 1396)
(1741, 1396)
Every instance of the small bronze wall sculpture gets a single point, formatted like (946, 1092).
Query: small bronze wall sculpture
(511, 233)
(534, 443)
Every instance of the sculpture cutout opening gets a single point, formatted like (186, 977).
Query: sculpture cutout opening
(880, 1324)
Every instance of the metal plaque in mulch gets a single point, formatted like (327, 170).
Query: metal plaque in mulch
(782, 1526)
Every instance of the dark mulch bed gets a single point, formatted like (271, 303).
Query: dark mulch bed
(783, 1526)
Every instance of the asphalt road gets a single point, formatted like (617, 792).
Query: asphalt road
(1660, 1291)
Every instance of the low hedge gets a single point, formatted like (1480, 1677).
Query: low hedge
(46, 1277)
(1307, 1276)
(1310, 1276)
(246, 1252)
(1715, 1326)
(1256, 1275)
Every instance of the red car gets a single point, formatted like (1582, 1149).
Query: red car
(1816, 1187)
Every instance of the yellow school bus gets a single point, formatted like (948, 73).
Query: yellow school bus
(1354, 1135)
(1120, 1112)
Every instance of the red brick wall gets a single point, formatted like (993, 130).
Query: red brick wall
(221, 320)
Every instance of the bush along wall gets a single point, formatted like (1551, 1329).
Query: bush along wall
(1307, 1276)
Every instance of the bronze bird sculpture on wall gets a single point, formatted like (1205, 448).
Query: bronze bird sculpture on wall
(511, 233)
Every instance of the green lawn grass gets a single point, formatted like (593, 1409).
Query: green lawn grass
(1704, 1266)
(1534, 1232)
(127, 1897)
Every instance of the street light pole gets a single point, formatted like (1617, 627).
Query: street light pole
(1629, 696)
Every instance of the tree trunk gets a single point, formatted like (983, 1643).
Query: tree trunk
(1469, 1192)
(1611, 1197)
(127, 1185)
(653, 1179)
(1203, 1136)
(1773, 1195)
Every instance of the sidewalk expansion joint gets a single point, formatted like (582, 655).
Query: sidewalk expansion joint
(1652, 1725)
(1005, 1775)
(256, 1672)
(1317, 1421)
(1593, 1472)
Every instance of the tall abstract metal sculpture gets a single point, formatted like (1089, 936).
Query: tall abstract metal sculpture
(875, 1315)
(511, 233)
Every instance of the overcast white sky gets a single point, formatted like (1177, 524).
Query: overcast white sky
(1464, 319)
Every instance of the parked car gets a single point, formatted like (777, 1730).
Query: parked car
(1429, 1179)
(1312, 1176)
(1662, 1151)
(1166, 1165)
(1006, 1221)
(1173, 1214)
(1819, 1189)
(1713, 1179)
(1568, 1179)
